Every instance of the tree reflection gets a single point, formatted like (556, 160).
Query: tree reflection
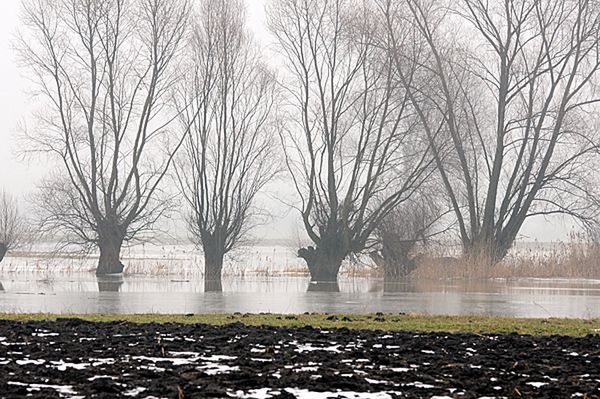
(213, 285)
(323, 286)
(110, 283)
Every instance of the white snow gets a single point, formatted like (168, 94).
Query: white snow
(25, 362)
(100, 362)
(100, 377)
(217, 358)
(310, 348)
(310, 368)
(45, 334)
(418, 384)
(63, 366)
(371, 381)
(306, 394)
(399, 369)
(61, 389)
(537, 384)
(214, 369)
(192, 354)
(134, 391)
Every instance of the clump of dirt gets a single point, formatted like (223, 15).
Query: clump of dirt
(70, 358)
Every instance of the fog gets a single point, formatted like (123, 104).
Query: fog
(19, 174)
(201, 201)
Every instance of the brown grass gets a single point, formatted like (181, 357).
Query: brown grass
(575, 259)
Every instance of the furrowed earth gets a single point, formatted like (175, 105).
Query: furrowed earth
(76, 358)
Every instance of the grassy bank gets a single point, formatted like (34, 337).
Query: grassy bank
(389, 322)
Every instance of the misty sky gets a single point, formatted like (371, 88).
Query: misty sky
(20, 177)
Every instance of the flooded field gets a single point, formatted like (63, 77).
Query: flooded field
(85, 293)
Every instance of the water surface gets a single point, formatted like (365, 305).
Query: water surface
(85, 293)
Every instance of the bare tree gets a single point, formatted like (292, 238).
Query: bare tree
(14, 230)
(229, 154)
(511, 85)
(104, 68)
(352, 145)
(407, 228)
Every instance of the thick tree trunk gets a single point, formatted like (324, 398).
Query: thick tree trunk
(110, 256)
(213, 268)
(324, 265)
(3, 251)
(213, 286)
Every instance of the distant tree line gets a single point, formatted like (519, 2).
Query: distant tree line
(393, 120)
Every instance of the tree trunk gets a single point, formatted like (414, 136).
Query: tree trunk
(3, 251)
(323, 265)
(489, 252)
(1, 287)
(397, 264)
(213, 267)
(110, 256)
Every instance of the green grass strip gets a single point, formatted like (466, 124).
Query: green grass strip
(386, 322)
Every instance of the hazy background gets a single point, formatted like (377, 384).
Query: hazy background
(20, 176)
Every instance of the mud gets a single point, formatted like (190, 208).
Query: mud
(72, 358)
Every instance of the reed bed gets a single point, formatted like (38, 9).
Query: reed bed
(573, 260)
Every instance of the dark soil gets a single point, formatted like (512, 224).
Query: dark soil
(103, 360)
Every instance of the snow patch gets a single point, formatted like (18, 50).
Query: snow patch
(214, 369)
(25, 362)
(61, 389)
(134, 391)
(537, 384)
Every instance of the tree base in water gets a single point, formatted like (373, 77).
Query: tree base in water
(213, 286)
(323, 286)
(110, 283)
(113, 269)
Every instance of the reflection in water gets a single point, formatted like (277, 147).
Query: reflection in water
(321, 286)
(405, 285)
(213, 286)
(110, 283)
(79, 293)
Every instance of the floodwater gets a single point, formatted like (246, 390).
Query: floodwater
(85, 293)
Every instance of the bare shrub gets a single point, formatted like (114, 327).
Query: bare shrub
(14, 230)
(405, 232)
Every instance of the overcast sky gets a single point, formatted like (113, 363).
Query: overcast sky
(20, 177)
